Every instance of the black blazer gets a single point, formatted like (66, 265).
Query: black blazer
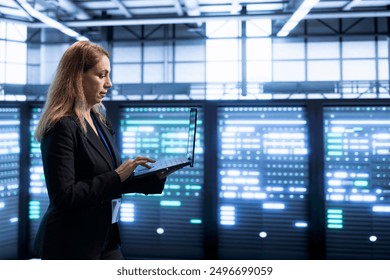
(81, 183)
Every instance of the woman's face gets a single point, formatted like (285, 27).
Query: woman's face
(96, 81)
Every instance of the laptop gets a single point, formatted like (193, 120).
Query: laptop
(176, 162)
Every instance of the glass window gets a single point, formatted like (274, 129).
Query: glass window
(259, 71)
(383, 49)
(157, 53)
(126, 73)
(190, 72)
(3, 28)
(223, 28)
(34, 54)
(358, 49)
(53, 53)
(383, 69)
(153, 54)
(223, 72)
(157, 73)
(48, 70)
(259, 49)
(50, 57)
(289, 71)
(323, 50)
(289, 49)
(15, 73)
(17, 32)
(33, 74)
(359, 69)
(190, 51)
(126, 53)
(323, 70)
(2, 51)
(16, 52)
(259, 27)
(2, 73)
(222, 50)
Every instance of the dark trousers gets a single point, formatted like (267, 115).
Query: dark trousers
(114, 254)
(111, 249)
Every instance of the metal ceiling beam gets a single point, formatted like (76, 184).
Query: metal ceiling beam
(351, 5)
(292, 5)
(362, 14)
(192, 7)
(236, 7)
(123, 8)
(73, 9)
(179, 9)
(19, 7)
(184, 20)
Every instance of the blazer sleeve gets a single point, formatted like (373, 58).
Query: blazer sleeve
(146, 185)
(58, 148)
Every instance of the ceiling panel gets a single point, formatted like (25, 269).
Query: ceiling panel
(81, 13)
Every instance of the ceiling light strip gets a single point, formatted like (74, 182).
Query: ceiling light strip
(297, 16)
(50, 21)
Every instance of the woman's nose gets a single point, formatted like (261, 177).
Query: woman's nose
(108, 82)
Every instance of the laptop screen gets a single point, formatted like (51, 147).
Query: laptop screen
(191, 135)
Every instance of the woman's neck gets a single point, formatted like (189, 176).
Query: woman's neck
(87, 113)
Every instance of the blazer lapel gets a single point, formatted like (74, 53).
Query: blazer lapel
(95, 141)
(110, 142)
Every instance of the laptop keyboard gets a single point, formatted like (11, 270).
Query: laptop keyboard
(161, 164)
(167, 162)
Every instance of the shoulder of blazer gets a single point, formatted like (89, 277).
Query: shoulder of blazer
(65, 123)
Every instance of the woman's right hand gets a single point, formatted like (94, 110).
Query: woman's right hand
(127, 168)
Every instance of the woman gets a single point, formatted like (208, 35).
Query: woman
(84, 176)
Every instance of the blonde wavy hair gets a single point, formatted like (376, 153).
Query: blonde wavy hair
(65, 96)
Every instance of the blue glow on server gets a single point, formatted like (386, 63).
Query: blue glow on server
(263, 182)
(39, 200)
(357, 181)
(171, 221)
(9, 181)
